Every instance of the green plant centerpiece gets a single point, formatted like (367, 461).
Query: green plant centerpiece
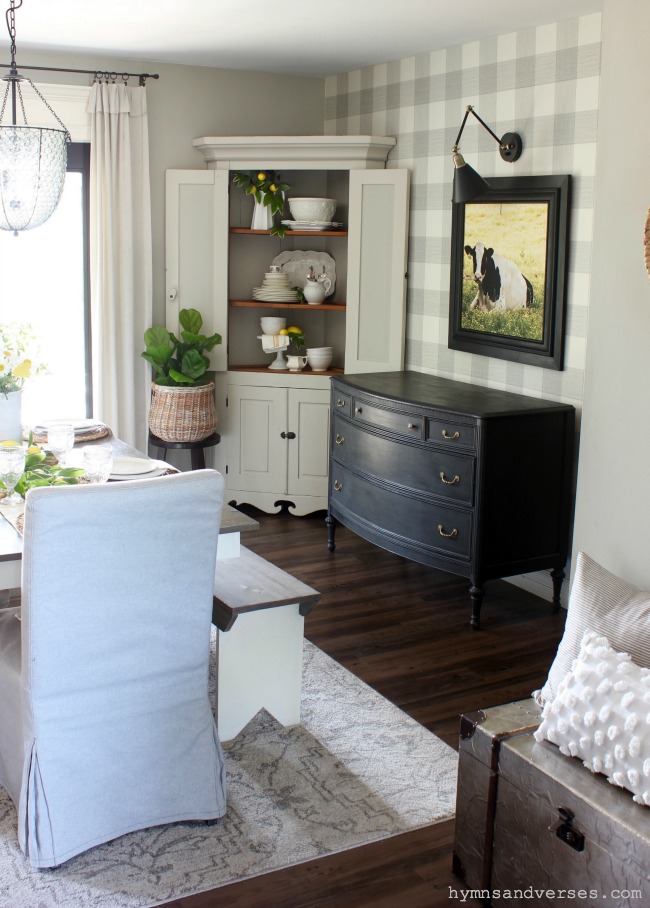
(180, 361)
(267, 189)
(182, 394)
(42, 469)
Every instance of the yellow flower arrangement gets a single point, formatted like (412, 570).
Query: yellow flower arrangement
(15, 364)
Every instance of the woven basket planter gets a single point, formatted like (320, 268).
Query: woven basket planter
(182, 414)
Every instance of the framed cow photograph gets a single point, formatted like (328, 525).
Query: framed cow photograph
(508, 271)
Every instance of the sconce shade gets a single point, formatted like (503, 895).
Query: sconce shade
(33, 164)
(468, 184)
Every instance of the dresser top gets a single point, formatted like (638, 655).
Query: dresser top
(442, 393)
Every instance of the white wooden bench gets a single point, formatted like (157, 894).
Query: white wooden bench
(259, 611)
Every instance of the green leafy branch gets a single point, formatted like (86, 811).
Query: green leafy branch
(267, 189)
(38, 473)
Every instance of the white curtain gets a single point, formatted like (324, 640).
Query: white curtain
(120, 258)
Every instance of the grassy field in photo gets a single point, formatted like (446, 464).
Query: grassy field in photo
(517, 231)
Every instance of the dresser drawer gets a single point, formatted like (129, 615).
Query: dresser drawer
(426, 469)
(399, 422)
(341, 403)
(448, 432)
(425, 525)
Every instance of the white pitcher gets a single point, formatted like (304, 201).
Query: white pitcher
(316, 288)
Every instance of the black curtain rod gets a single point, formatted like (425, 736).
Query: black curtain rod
(102, 73)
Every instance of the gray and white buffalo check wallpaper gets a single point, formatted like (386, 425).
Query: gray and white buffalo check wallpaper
(540, 82)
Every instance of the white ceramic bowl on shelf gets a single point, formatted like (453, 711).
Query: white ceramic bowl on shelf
(319, 358)
(311, 209)
(271, 325)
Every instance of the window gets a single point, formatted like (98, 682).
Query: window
(44, 280)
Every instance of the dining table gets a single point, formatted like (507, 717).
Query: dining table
(233, 523)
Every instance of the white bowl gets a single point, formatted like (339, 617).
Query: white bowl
(319, 358)
(271, 325)
(304, 209)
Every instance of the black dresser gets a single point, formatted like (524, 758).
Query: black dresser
(466, 479)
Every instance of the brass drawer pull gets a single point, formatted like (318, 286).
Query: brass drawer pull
(449, 482)
(450, 437)
(340, 402)
(338, 485)
(441, 530)
(339, 439)
(412, 425)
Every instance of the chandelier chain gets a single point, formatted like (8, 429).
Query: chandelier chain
(11, 27)
(49, 107)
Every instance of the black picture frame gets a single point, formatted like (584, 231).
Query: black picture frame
(530, 219)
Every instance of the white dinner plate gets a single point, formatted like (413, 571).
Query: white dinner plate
(132, 466)
(158, 467)
(80, 425)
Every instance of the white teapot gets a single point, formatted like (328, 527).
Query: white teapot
(316, 288)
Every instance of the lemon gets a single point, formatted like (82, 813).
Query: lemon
(284, 331)
(261, 175)
(273, 187)
(33, 449)
(293, 330)
(9, 444)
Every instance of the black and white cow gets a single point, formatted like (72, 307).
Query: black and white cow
(501, 285)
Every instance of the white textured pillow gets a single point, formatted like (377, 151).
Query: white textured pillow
(602, 714)
(604, 603)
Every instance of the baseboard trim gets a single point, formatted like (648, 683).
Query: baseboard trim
(540, 584)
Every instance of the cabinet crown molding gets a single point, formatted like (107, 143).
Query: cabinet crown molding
(333, 152)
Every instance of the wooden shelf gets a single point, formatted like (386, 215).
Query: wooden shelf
(247, 230)
(305, 371)
(258, 304)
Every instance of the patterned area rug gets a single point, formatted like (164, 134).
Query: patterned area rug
(357, 770)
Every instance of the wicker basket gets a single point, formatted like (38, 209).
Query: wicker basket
(182, 414)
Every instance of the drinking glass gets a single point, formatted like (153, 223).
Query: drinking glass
(60, 441)
(98, 462)
(12, 467)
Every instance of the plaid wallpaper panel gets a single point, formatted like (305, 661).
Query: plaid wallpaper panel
(540, 82)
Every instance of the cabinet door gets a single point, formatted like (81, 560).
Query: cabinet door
(308, 452)
(377, 245)
(257, 454)
(196, 252)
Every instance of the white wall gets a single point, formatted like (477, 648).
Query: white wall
(613, 502)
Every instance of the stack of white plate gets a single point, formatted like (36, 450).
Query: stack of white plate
(312, 225)
(275, 289)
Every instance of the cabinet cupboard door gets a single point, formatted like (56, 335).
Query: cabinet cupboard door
(196, 252)
(257, 459)
(377, 244)
(308, 452)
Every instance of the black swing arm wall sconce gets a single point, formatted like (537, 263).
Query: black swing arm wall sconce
(468, 184)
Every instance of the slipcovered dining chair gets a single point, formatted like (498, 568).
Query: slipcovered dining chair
(105, 722)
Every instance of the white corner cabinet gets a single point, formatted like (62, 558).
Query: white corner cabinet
(274, 425)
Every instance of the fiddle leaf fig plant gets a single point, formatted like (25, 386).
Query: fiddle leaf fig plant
(180, 361)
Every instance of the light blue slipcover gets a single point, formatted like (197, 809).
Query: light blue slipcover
(105, 722)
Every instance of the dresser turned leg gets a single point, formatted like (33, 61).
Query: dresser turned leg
(557, 576)
(476, 597)
(331, 529)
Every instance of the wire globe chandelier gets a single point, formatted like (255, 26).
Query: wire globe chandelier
(33, 159)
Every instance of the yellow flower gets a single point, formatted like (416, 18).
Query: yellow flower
(24, 369)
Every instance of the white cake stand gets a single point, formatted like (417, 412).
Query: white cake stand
(276, 343)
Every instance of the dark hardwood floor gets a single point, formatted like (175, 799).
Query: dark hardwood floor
(404, 629)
